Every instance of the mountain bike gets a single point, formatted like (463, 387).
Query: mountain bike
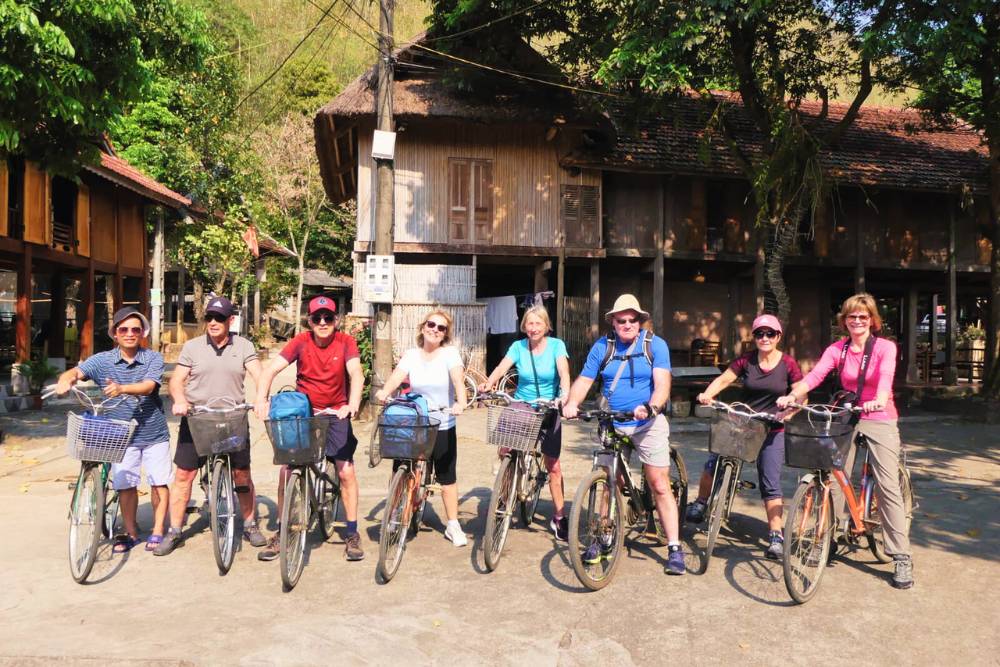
(312, 493)
(516, 429)
(737, 434)
(818, 439)
(604, 511)
(96, 441)
(218, 432)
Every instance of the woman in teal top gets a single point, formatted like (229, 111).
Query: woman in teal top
(542, 373)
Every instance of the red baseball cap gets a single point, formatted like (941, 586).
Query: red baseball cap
(766, 321)
(322, 303)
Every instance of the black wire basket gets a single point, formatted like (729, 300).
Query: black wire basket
(736, 435)
(298, 441)
(817, 443)
(219, 432)
(406, 436)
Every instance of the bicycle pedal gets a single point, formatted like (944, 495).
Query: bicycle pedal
(192, 509)
(746, 485)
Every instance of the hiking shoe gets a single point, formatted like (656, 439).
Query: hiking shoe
(352, 547)
(695, 512)
(675, 563)
(560, 527)
(902, 578)
(171, 541)
(456, 535)
(252, 534)
(776, 548)
(271, 551)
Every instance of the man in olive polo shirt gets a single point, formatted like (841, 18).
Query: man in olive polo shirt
(211, 367)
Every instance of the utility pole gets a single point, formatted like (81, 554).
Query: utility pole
(384, 213)
(156, 296)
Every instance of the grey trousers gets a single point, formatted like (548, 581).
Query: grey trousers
(884, 444)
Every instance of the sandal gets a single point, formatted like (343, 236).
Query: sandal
(124, 543)
(153, 541)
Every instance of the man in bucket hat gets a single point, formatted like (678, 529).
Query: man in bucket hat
(636, 379)
(134, 372)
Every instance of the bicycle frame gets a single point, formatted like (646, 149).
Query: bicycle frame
(612, 458)
(855, 504)
(734, 483)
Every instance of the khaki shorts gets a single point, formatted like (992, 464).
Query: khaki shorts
(651, 441)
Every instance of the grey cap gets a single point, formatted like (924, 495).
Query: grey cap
(123, 314)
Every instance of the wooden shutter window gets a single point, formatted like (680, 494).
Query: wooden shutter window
(580, 208)
(83, 220)
(37, 211)
(482, 178)
(458, 200)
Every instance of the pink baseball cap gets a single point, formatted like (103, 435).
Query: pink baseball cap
(322, 303)
(766, 321)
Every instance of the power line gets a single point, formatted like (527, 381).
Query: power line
(261, 45)
(488, 23)
(350, 28)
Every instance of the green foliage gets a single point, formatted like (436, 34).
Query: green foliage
(330, 249)
(37, 372)
(363, 335)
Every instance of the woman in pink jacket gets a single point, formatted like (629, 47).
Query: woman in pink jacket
(860, 317)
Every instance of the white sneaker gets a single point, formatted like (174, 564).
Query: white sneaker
(457, 536)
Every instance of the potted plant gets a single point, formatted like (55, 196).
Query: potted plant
(37, 372)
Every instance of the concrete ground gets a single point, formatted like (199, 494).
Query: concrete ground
(444, 608)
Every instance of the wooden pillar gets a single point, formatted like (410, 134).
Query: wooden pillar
(658, 260)
(911, 335)
(859, 261)
(933, 332)
(181, 289)
(259, 270)
(759, 244)
(595, 299)
(541, 282)
(245, 312)
(156, 296)
(87, 325)
(57, 316)
(823, 302)
(560, 292)
(22, 329)
(950, 374)
(731, 341)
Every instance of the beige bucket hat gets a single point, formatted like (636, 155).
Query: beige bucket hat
(626, 302)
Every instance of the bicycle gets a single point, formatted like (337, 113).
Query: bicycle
(217, 433)
(96, 442)
(312, 494)
(600, 514)
(409, 440)
(736, 436)
(819, 442)
(517, 430)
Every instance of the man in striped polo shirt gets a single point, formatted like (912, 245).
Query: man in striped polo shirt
(135, 372)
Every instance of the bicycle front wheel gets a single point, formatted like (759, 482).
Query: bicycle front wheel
(716, 510)
(596, 530)
(223, 510)
(392, 538)
(808, 533)
(294, 527)
(679, 484)
(501, 509)
(876, 538)
(534, 480)
(86, 516)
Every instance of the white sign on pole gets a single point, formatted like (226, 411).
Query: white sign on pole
(379, 271)
(384, 145)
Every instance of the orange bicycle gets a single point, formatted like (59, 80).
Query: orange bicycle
(819, 438)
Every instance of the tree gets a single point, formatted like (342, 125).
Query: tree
(67, 70)
(773, 53)
(950, 50)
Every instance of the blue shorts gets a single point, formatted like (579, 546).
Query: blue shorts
(340, 441)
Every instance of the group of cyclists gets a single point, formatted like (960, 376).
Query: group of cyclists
(632, 363)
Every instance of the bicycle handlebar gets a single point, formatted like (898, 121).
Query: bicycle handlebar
(538, 403)
(743, 410)
(86, 401)
(201, 409)
(822, 410)
(616, 415)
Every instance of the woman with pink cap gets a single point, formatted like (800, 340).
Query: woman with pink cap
(767, 374)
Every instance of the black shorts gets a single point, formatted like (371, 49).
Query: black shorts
(186, 457)
(552, 435)
(443, 459)
(340, 441)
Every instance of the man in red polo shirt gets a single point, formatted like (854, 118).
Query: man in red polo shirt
(328, 371)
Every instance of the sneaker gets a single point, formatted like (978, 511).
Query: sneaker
(352, 547)
(695, 512)
(252, 534)
(171, 541)
(456, 535)
(271, 551)
(675, 563)
(560, 527)
(902, 578)
(598, 551)
(776, 549)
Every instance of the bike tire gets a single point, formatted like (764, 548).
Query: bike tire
(111, 523)
(587, 525)
(533, 482)
(223, 506)
(329, 507)
(418, 514)
(294, 528)
(392, 537)
(471, 391)
(500, 513)
(808, 534)
(716, 512)
(679, 485)
(508, 383)
(876, 537)
(86, 520)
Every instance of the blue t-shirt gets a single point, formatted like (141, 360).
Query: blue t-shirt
(148, 411)
(635, 386)
(545, 364)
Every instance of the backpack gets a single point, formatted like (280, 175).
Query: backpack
(285, 407)
(609, 353)
(398, 424)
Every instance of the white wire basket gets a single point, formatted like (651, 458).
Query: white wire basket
(514, 426)
(97, 438)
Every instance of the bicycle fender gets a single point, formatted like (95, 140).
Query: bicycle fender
(808, 477)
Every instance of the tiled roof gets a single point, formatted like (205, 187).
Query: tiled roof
(884, 147)
(118, 170)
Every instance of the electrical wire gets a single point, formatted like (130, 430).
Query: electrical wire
(488, 23)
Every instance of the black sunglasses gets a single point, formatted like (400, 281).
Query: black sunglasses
(443, 328)
(765, 333)
(322, 318)
(215, 317)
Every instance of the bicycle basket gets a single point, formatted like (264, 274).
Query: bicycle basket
(816, 443)
(219, 432)
(298, 441)
(514, 426)
(406, 436)
(97, 438)
(736, 435)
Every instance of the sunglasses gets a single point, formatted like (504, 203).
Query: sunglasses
(215, 317)
(135, 331)
(435, 325)
(626, 320)
(760, 334)
(322, 318)
(859, 318)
